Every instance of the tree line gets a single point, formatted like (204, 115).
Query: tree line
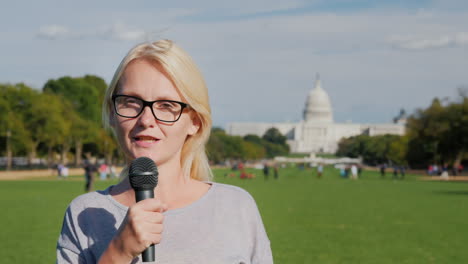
(64, 119)
(222, 147)
(437, 134)
(62, 122)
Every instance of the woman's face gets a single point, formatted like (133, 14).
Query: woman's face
(144, 135)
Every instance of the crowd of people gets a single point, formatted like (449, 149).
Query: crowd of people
(398, 171)
(445, 170)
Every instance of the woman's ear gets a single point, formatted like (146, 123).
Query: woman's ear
(194, 126)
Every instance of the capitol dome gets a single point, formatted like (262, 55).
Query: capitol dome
(318, 107)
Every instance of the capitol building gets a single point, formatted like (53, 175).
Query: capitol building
(317, 132)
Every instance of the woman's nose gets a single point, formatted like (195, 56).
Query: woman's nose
(147, 118)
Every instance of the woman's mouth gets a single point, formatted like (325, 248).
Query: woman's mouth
(145, 138)
(145, 141)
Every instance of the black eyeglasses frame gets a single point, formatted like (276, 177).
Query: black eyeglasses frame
(150, 105)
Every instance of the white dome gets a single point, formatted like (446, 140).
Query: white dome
(318, 107)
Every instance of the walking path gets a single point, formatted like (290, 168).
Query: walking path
(34, 174)
(450, 178)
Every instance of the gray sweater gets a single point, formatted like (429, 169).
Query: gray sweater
(223, 226)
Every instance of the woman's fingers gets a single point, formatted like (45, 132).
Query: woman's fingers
(152, 205)
(142, 226)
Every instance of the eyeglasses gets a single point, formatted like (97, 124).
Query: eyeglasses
(163, 110)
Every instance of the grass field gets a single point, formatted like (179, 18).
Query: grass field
(308, 220)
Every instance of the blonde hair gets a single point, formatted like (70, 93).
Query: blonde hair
(188, 80)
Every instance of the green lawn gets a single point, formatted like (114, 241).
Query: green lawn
(308, 220)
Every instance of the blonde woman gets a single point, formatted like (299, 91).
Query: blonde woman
(157, 105)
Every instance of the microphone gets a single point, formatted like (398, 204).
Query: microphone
(143, 176)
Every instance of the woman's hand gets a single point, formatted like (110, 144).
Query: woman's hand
(142, 226)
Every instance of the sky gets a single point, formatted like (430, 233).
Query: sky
(259, 57)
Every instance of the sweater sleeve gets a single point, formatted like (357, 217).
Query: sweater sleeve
(68, 247)
(262, 250)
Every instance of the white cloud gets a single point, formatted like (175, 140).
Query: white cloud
(116, 31)
(424, 43)
(53, 32)
(120, 31)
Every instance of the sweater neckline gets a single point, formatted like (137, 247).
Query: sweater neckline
(195, 203)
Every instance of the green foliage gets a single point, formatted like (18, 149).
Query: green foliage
(439, 133)
(11, 125)
(275, 143)
(374, 150)
(66, 114)
(85, 97)
(398, 150)
(222, 147)
(273, 135)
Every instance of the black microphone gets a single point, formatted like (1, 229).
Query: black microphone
(143, 176)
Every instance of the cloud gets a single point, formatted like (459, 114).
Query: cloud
(53, 32)
(424, 43)
(120, 31)
(116, 31)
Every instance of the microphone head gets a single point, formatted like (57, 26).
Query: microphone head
(143, 174)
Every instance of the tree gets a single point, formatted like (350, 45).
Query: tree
(373, 150)
(398, 150)
(254, 139)
(274, 136)
(275, 143)
(426, 129)
(85, 96)
(19, 98)
(352, 147)
(46, 119)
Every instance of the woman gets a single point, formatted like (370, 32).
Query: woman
(191, 220)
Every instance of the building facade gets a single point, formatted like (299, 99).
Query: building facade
(317, 132)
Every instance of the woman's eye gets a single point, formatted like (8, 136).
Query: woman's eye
(131, 101)
(166, 105)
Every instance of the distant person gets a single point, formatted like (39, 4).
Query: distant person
(342, 172)
(460, 168)
(354, 172)
(240, 166)
(382, 170)
(59, 170)
(402, 172)
(347, 171)
(103, 171)
(430, 170)
(276, 171)
(65, 172)
(395, 172)
(319, 171)
(112, 171)
(266, 171)
(454, 170)
(89, 169)
(444, 174)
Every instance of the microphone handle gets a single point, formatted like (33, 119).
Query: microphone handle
(141, 195)
(147, 254)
